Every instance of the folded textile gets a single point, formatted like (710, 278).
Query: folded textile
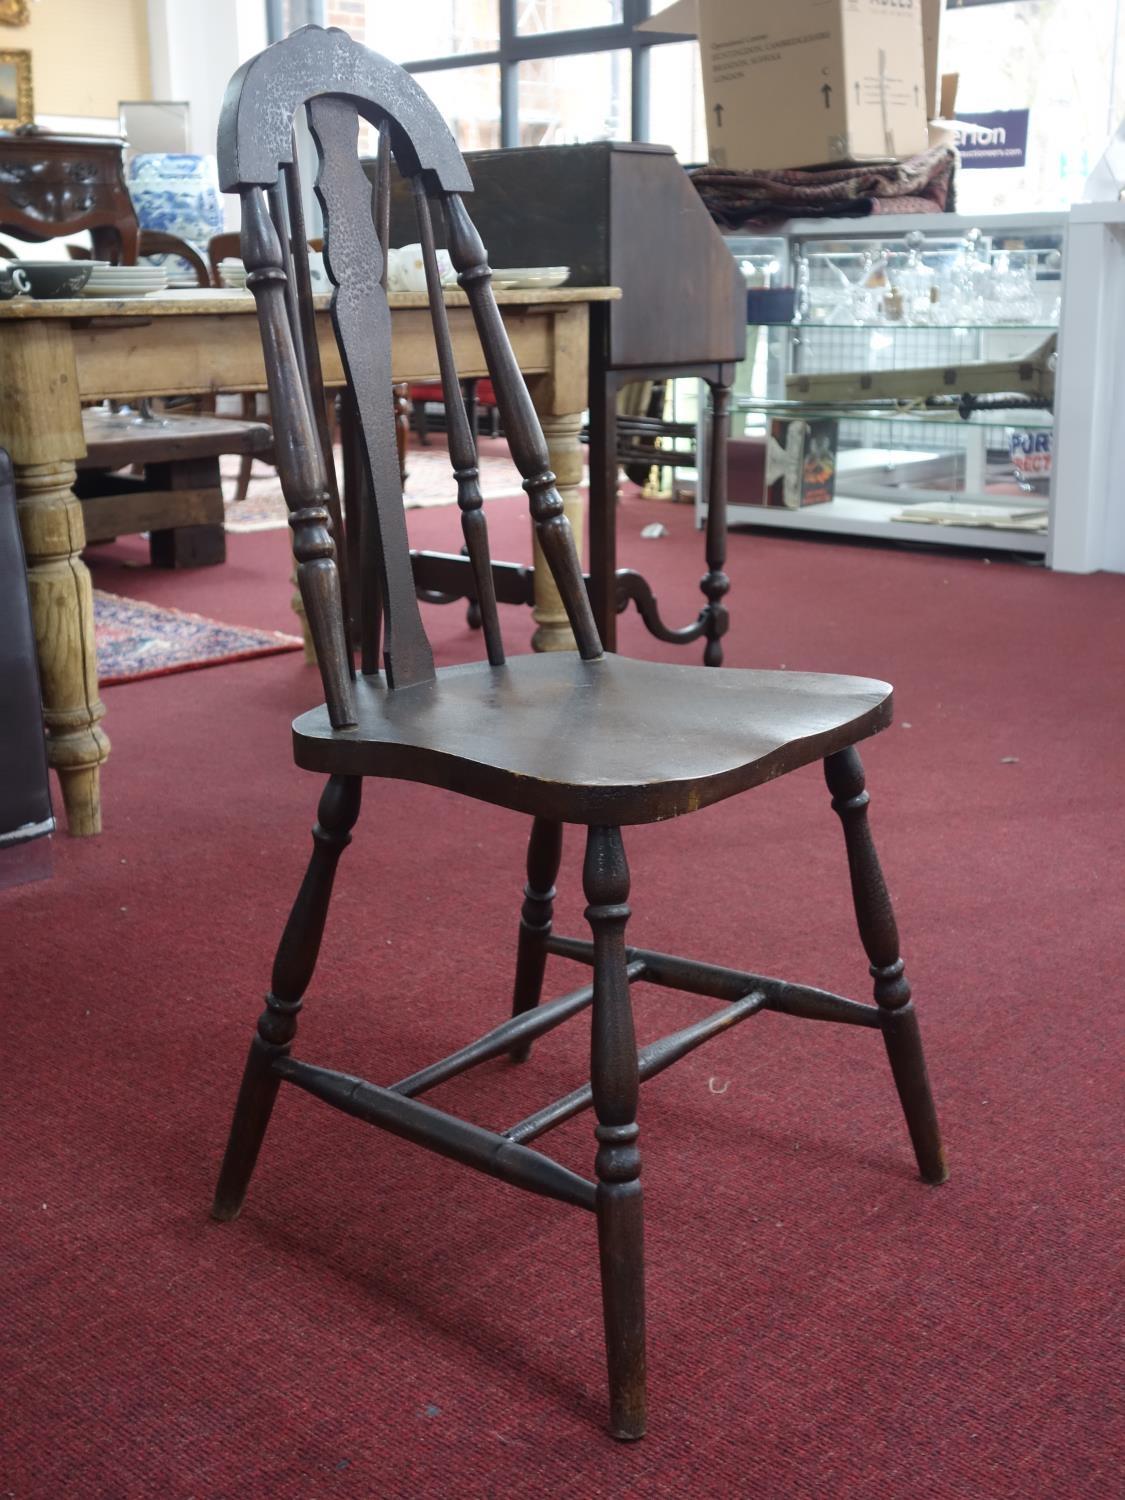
(917, 185)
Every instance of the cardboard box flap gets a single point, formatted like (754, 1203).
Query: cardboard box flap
(682, 17)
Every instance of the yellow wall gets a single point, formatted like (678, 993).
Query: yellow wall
(86, 55)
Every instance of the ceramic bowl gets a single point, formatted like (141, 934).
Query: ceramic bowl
(55, 278)
(13, 282)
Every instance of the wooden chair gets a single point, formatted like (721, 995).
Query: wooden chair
(228, 246)
(587, 738)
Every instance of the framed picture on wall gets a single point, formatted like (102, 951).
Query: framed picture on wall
(16, 107)
(14, 13)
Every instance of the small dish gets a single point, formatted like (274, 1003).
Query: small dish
(529, 278)
(55, 278)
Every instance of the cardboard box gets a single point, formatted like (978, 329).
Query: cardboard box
(794, 466)
(808, 82)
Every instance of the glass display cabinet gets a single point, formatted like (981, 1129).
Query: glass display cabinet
(917, 388)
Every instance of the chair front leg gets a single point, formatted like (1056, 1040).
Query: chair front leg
(879, 934)
(615, 1085)
(292, 971)
(544, 854)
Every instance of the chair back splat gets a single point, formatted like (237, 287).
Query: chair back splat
(337, 82)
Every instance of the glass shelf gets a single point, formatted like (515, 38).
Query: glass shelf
(812, 324)
(801, 410)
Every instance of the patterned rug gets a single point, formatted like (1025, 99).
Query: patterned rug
(136, 640)
(429, 482)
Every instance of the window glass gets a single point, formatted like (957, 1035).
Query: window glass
(1054, 58)
(469, 98)
(409, 32)
(535, 16)
(567, 99)
(676, 112)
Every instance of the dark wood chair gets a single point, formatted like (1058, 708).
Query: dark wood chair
(228, 246)
(586, 738)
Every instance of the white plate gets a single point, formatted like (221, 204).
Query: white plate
(540, 278)
(127, 281)
(117, 272)
(145, 283)
(118, 291)
(125, 286)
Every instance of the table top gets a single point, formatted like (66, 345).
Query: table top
(228, 300)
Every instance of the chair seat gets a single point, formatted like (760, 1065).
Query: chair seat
(612, 741)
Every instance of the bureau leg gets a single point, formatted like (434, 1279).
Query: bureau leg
(715, 583)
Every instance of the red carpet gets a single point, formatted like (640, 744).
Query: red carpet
(381, 1323)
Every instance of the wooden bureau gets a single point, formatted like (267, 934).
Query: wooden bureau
(52, 185)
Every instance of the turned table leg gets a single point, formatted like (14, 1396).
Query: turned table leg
(41, 426)
(552, 628)
(560, 398)
(62, 607)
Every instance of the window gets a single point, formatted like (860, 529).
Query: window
(537, 16)
(566, 99)
(469, 98)
(530, 72)
(1060, 60)
(433, 28)
(539, 72)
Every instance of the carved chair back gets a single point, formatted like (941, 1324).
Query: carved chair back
(337, 81)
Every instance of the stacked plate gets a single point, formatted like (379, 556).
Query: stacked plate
(125, 281)
(232, 273)
(530, 278)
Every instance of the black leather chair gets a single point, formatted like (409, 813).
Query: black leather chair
(25, 793)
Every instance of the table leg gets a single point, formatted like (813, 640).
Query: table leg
(603, 502)
(41, 426)
(62, 607)
(552, 628)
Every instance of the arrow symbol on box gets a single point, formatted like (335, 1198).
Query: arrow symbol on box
(719, 115)
(826, 90)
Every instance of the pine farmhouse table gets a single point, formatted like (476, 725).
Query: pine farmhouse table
(57, 356)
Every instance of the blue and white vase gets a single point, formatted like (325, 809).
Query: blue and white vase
(178, 194)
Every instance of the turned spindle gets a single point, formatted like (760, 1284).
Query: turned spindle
(615, 1084)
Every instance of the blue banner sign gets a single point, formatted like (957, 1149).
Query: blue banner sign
(996, 139)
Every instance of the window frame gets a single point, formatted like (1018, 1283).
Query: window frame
(516, 47)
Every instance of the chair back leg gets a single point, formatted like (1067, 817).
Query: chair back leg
(879, 934)
(544, 854)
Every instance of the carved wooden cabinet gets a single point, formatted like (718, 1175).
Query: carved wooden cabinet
(52, 185)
